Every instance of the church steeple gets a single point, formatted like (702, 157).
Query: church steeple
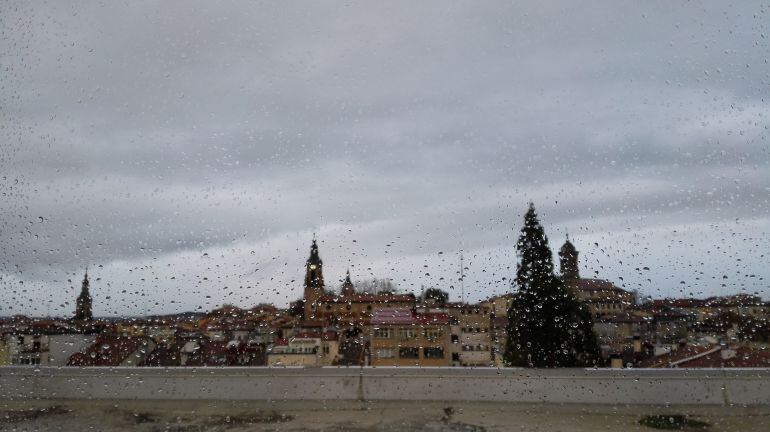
(314, 268)
(568, 256)
(314, 280)
(347, 287)
(83, 304)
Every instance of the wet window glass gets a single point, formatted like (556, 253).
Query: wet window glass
(384, 215)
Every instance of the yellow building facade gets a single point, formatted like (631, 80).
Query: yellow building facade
(402, 337)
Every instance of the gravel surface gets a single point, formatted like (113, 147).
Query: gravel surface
(354, 416)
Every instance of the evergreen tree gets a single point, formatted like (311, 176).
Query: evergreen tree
(547, 326)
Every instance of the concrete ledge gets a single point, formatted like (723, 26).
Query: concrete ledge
(585, 386)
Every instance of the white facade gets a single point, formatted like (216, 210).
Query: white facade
(45, 350)
(61, 347)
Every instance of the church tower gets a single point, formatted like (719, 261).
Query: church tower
(314, 281)
(347, 287)
(568, 257)
(83, 303)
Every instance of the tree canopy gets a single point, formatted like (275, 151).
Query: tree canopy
(436, 296)
(548, 326)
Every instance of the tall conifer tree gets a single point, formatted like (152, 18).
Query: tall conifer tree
(547, 326)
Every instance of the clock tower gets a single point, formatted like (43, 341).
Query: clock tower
(314, 281)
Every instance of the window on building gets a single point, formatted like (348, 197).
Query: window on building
(383, 333)
(409, 353)
(385, 353)
(433, 353)
(407, 333)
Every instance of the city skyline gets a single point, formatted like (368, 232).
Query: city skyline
(366, 285)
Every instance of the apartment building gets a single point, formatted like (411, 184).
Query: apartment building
(403, 337)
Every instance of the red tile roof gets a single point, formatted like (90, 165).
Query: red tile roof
(406, 316)
(627, 318)
(432, 318)
(675, 357)
(107, 351)
(743, 358)
(329, 335)
(311, 323)
(592, 285)
(369, 298)
(710, 356)
(211, 349)
(393, 316)
(688, 303)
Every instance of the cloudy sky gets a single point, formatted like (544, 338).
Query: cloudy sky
(186, 151)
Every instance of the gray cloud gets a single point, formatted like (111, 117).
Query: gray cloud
(142, 137)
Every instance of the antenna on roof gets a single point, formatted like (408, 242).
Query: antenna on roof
(462, 279)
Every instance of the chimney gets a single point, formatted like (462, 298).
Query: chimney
(616, 362)
(637, 344)
(727, 353)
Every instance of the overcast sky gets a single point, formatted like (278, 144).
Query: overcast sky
(186, 151)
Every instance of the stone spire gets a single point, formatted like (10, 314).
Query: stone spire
(347, 287)
(83, 304)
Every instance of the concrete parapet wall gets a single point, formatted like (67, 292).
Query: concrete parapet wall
(590, 386)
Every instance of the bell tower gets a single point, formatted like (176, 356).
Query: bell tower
(83, 304)
(568, 257)
(314, 280)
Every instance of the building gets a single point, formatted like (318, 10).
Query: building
(5, 354)
(403, 337)
(745, 305)
(568, 261)
(499, 340)
(314, 281)
(44, 342)
(165, 354)
(500, 305)
(28, 349)
(305, 349)
(472, 336)
(114, 350)
(347, 308)
(709, 356)
(602, 297)
(83, 304)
